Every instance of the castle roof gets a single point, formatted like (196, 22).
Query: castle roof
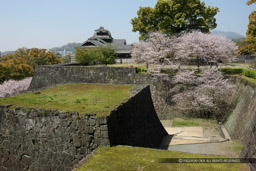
(103, 37)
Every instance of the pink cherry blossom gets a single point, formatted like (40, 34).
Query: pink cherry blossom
(12, 87)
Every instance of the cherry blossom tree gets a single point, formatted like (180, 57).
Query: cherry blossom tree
(158, 48)
(189, 48)
(12, 87)
(206, 94)
(201, 48)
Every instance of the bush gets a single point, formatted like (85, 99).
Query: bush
(140, 70)
(232, 71)
(85, 56)
(15, 71)
(102, 54)
(21, 64)
(249, 73)
(242, 71)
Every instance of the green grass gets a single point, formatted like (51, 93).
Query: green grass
(130, 158)
(236, 146)
(248, 79)
(82, 98)
(193, 122)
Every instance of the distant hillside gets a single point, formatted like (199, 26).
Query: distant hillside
(7, 52)
(67, 47)
(229, 35)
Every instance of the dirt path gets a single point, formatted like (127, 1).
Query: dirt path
(199, 140)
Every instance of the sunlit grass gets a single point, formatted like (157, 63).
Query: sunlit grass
(194, 122)
(130, 158)
(82, 98)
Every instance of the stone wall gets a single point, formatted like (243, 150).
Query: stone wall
(50, 75)
(241, 123)
(47, 76)
(40, 139)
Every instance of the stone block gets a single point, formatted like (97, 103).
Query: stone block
(104, 128)
(77, 142)
(104, 134)
(26, 159)
(89, 130)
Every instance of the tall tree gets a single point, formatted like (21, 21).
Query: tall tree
(189, 48)
(175, 16)
(250, 43)
(251, 31)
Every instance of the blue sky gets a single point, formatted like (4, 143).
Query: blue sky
(53, 23)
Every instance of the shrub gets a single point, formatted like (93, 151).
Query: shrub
(21, 64)
(249, 73)
(106, 55)
(232, 71)
(102, 54)
(16, 71)
(85, 56)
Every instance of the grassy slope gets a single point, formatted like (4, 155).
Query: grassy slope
(129, 158)
(194, 122)
(82, 98)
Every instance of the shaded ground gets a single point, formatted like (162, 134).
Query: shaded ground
(198, 136)
(82, 98)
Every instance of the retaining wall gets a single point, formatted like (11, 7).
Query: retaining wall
(50, 75)
(241, 123)
(39, 139)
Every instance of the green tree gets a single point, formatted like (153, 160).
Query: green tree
(250, 43)
(106, 55)
(85, 56)
(175, 16)
(251, 31)
(21, 64)
(101, 54)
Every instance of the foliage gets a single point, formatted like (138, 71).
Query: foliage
(140, 70)
(206, 94)
(189, 48)
(247, 49)
(106, 55)
(102, 54)
(82, 98)
(175, 16)
(21, 64)
(85, 56)
(249, 73)
(33, 57)
(232, 71)
(131, 158)
(251, 31)
(65, 59)
(14, 69)
(12, 87)
(249, 2)
(241, 71)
